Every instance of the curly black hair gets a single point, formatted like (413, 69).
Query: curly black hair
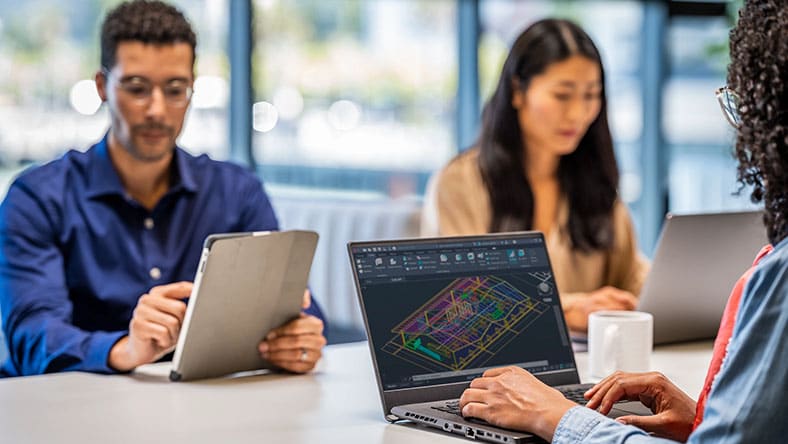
(145, 21)
(758, 71)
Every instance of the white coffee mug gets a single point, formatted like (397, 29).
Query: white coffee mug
(619, 340)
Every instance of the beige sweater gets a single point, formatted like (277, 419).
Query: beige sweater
(457, 203)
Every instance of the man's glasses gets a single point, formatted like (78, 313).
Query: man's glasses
(729, 102)
(177, 93)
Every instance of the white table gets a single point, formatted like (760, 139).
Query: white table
(684, 364)
(338, 403)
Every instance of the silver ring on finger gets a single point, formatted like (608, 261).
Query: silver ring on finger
(304, 355)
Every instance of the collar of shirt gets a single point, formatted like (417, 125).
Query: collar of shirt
(104, 180)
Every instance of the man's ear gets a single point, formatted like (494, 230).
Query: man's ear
(101, 85)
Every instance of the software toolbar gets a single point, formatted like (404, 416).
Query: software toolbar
(401, 261)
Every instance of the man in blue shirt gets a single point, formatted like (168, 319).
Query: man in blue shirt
(97, 249)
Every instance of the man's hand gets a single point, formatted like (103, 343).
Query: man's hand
(297, 345)
(154, 327)
(674, 411)
(511, 397)
(606, 298)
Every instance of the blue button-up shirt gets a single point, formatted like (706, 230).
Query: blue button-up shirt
(76, 252)
(748, 401)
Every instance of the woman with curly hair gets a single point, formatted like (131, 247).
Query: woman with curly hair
(744, 397)
(544, 161)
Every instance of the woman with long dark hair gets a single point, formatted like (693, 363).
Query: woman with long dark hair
(544, 161)
(744, 395)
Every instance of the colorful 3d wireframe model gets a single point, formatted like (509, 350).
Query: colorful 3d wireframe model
(466, 323)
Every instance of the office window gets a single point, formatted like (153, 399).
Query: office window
(205, 130)
(702, 167)
(49, 52)
(354, 94)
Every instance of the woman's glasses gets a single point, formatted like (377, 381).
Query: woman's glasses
(729, 102)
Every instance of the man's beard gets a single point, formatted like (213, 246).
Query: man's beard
(142, 155)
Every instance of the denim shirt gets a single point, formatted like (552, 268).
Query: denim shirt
(748, 402)
(76, 252)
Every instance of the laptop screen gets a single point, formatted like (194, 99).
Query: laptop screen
(442, 311)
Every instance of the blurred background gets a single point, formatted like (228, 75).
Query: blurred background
(346, 107)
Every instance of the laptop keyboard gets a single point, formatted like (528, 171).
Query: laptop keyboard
(452, 407)
(575, 393)
(572, 393)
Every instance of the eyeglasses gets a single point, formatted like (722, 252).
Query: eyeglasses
(177, 93)
(729, 102)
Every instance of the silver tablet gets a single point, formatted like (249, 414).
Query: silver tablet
(246, 285)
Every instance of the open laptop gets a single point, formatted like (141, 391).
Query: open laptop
(441, 311)
(699, 258)
(246, 284)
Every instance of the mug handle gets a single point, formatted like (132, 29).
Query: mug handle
(610, 356)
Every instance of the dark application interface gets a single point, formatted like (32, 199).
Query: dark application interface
(446, 311)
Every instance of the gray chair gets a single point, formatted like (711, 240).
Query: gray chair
(339, 219)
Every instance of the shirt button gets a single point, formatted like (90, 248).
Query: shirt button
(155, 273)
(148, 223)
